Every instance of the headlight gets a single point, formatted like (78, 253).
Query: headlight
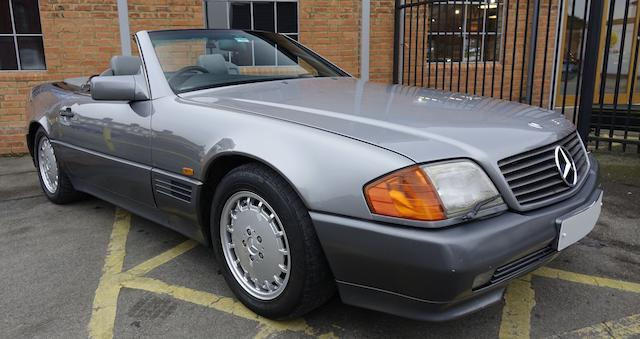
(433, 192)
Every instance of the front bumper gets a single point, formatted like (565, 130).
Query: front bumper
(428, 274)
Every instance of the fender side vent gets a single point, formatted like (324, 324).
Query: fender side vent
(174, 189)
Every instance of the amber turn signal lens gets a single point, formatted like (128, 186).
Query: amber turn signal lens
(407, 193)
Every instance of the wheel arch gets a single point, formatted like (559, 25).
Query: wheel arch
(215, 170)
(31, 134)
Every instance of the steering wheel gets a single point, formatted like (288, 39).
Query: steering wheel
(178, 77)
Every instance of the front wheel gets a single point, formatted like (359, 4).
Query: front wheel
(265, 242)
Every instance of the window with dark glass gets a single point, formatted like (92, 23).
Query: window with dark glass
(280, 16)
(20, 36)
(465, 31)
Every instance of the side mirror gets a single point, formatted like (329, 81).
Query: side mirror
(119, 88)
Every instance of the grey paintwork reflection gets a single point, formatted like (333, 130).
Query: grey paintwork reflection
(327, 136)
(423, 125)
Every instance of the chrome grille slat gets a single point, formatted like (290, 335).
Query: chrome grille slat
(528, 154)
(571, 143)
(544, 175)
(532, 175)
(574, 149)
(524, 174)
(542, 196)
(546, 184)
(527, 164)
(579, 158)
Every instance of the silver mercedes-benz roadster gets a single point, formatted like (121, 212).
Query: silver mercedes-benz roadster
(305, 180)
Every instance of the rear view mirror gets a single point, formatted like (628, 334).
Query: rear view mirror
(119, 88)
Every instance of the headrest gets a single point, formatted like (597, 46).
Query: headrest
(214, 63)
(125, 65)
(228, 45)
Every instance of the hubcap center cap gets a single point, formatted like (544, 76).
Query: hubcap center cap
(252, 246)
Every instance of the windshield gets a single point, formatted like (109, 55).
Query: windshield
(200, 59)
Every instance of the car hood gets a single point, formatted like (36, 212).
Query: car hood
(421, 124)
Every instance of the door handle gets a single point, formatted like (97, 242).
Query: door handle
(67, 112)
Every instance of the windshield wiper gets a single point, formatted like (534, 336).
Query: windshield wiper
(476, 208)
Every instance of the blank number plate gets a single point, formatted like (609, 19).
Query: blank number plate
(577, 226)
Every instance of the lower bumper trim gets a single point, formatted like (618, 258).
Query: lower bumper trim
(412, 308)
(520, 266)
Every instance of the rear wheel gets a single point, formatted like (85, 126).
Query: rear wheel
(265, 242)
(53, 178)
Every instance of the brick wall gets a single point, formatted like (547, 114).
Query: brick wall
(381, 40)
(80, 36)
(332, 28)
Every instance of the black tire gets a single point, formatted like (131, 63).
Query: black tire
(310, 283)
(65, 193)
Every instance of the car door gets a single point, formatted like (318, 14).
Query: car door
(106, 148)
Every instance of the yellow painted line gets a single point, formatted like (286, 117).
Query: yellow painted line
(220, 303)
(516, 313)
(162, 258)
(627, 327)
(105, 302)
(587, 279)
(113, 279)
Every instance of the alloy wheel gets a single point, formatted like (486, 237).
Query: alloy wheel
(255, 245)
(47, 165)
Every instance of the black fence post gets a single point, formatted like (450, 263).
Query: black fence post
(396, 41)
(590, 68)
(532, 51)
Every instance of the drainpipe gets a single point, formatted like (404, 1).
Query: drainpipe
(123, 22)
(364, 39)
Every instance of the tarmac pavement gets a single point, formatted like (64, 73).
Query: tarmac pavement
(91, 269)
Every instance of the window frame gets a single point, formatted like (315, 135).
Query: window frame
(275, 13)
(465, 35)
(289, 35)
(14, 36)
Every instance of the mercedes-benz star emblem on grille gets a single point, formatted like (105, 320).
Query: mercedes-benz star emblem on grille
(566, 166)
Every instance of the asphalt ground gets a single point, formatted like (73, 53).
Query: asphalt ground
(91, 269)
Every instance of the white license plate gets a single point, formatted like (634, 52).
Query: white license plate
(576, 226)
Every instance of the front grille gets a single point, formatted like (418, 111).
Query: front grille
(533, 176)
(520, 266)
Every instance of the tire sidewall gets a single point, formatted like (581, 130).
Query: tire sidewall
(238, 181)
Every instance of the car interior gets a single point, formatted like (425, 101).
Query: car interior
(118, 65)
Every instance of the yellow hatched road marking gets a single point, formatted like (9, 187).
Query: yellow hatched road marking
(519, 300)
(105, 302)
(627, 327)
(553, 273)
(224, 304)
(162, 258)
(516, 314)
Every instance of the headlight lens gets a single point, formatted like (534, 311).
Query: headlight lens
(432, 192)
(461, 185)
